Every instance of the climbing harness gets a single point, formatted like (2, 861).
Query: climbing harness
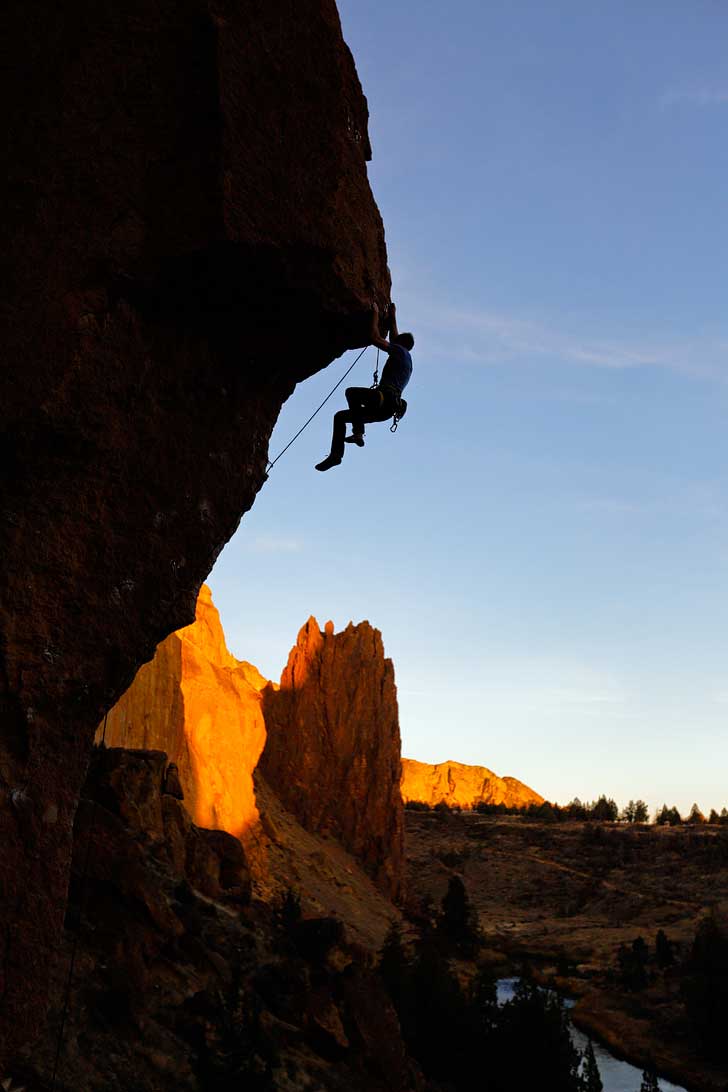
(81, 902)
(397, 416)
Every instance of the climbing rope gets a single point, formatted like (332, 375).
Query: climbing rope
(81, 901)
(290, 442)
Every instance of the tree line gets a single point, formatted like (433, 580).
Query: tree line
(602, 810)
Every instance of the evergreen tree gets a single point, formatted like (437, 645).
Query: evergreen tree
(713, 818)
(591, 1080)
(632, 964)
(663, 816)
(436, 1021)
(551, 1060)
(675, 819)
(705, 986)
(663, 951)
(546, 813)
(724, 815)
(628, 812)
(605, 810)
(649, 1080)
(484, 1003)
(641, 812)
(696, 816)
(458, 922)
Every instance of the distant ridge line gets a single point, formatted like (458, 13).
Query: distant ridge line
(459, 784)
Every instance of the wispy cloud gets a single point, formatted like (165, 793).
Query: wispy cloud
(698, 95)
(489, 337)
(271, 544)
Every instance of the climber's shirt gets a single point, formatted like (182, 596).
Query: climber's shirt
(398, 369)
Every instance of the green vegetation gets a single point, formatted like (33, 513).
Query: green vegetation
(450, 1028)
(602, 810)
(458, 923)
(632, 965)
(704, 987)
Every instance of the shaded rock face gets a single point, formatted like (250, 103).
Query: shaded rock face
(187, 232)
(460, 785)
(181, 982)
(201, 706)
(332, 752)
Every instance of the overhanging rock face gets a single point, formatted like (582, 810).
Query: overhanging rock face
(188, 231)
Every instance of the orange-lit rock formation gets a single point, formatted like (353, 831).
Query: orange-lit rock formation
(459, 785)
(333, 749)
(202, 707)
(334, 752)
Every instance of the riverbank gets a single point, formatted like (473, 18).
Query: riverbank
(561, 899)
(643, 1037)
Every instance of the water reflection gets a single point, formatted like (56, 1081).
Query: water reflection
(617, 1076)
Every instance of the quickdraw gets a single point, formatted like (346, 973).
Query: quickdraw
(376, 372)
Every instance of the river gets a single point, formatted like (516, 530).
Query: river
(617, 1076)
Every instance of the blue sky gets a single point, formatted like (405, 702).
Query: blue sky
(544, 543)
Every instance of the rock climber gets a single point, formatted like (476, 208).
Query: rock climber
(370, 404)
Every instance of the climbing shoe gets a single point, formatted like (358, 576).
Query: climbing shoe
(327, 463)
(356, 438)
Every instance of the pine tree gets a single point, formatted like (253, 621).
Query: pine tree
(696, 815)
(458, 921)
(649, 1080)
(641, 812)
(591, 1080)
(604, 809)
(705, 985)
(663, 951)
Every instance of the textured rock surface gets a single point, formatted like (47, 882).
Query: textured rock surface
(208, 712)
(180, 982)
(201, 706)
(333, 748)
(187, 231)
(457, 784)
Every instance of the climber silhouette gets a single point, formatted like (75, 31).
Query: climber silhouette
(370, 404)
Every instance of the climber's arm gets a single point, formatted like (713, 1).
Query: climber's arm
(393, 331)
(375, 337)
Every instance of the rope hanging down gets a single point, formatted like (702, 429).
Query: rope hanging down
(285, 449)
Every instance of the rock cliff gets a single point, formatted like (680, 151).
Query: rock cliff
(332, 752)
(331, 737)
(459, 785)
(187, 232)
(202, 707)
(181, 982)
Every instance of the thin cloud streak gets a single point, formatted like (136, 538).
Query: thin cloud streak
(705, 95)
(270, 544)
(487, 337)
